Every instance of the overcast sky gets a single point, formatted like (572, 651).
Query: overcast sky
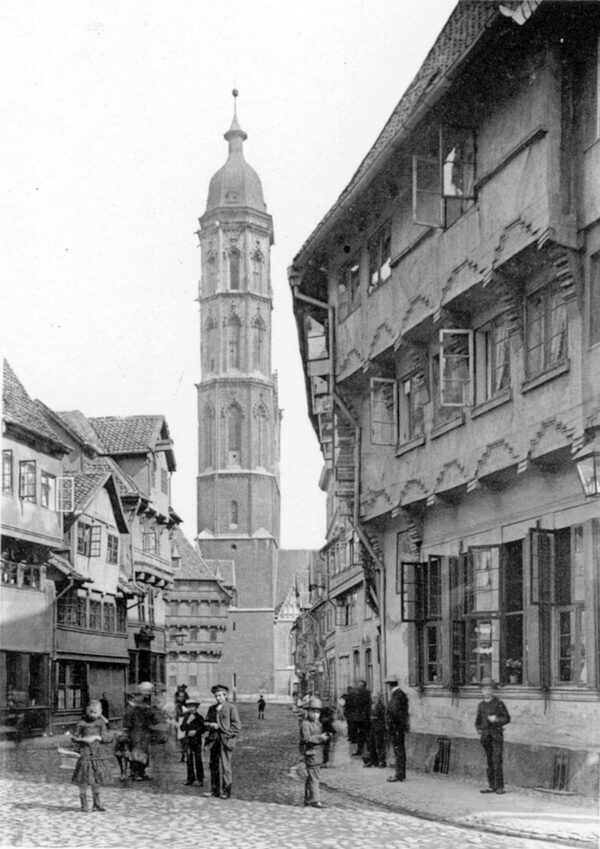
(113, 116)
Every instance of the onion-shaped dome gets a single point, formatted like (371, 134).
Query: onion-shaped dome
(236, 183)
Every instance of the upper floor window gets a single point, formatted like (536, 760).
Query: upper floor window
(27, 480)
(95, 615)
(164, 481)
(456, 365)
(444, 176)
(88, 539)
(47, 490)
(380, 255)
(7, 471)
(349, 288)
(233, 514)
(149, 541)
(112, 549)
(545, 329)
(492, 359)
(383, 411)
(413, 395)
(316, 338)
(109, 622)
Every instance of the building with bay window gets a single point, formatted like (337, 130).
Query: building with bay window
(447, 315)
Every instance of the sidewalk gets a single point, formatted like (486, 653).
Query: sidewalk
(521, 811)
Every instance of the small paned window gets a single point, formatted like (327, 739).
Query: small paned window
(349, 289)
(384, 411)
(112, 549)
(492, 359)
(7, 472)
(27, 480)
(84, 539)
(47, 490)
(95, 615)
(109, 616)
(546, 329)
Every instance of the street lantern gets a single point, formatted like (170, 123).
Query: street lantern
(588, 467)
(180, 636)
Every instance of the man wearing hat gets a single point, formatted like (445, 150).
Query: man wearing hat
(192, 728)
(397, 724)
(312, 739)
(224, 725)
(491, 718)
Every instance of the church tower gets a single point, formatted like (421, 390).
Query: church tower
(238, 415)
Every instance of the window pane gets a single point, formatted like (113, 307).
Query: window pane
(535, 334)
(566, 646)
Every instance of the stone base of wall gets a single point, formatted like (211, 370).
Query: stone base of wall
(524, 765)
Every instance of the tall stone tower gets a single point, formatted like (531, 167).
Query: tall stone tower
(238, 413)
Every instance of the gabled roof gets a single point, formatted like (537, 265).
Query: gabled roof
(86, 487)
(467, 23)
(125, 484)
(19, 410)
(122, 435)
(193, 566)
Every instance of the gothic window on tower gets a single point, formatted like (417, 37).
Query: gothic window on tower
(234, 436)
(211, 270)
(233, 515)
(234, 334)
(234, 269)
(263, 454)
(259, 331)
(208, 437)
(257, 269)
(210, 349)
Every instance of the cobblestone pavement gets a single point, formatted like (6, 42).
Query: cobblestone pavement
(46, 814)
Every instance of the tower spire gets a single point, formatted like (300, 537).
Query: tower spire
(235, 132)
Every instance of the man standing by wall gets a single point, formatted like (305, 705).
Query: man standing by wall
(398, 725)
(224, 725)
(492, 716)
(362, 714)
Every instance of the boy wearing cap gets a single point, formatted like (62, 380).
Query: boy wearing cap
(492, 716)
(312, 738)
(224, 725)
(192, 726)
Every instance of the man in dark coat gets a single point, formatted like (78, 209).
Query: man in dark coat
(397, 725)
(362, 712)
(491, 718)
(224, 725)
(376, 745)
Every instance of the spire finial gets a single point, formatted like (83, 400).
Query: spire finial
(235, 93)
(235, 131)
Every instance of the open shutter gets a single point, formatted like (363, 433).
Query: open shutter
(411, 591)
(427, 198)
(65, 494)
(384, 406)
(459, 595)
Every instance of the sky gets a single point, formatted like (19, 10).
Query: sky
(113, 115)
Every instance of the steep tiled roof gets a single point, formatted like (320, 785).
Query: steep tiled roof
(125, 484)
(224, 571)
(467, 22)
(85, 486)
(193, 566)
(19, 409)
(128, 434)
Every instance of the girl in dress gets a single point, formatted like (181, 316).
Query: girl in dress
(93, 766)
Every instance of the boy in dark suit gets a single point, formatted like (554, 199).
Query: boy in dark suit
(224, 725)
(492, 716)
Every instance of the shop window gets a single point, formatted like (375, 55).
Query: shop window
(349, 288)
(444, 176)
(413, 396)
(26, 679)
(545, 329)
(380, 254)
(512, 667)
(71, 689)
(95, 615)
(109, 617)
(7, 472)
(492, 359)
(27, 480)
(421, 604)
(384, 411)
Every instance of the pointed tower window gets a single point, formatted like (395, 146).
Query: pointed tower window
(233, 515)
(234, 269)
(258, 342)
(208, 437)
(263, 457)
(210, 348)
(257, 269)
(234, 436)
(234, 335)
(211, 269)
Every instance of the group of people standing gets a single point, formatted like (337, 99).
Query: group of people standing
(146, 739)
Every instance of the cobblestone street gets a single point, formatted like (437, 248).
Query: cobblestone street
(40, 807)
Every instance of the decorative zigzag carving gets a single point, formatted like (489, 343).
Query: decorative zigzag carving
(547, 428)
(501, 449)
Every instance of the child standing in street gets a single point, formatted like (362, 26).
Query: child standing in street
(261, 707)
(312, 738)
(93, 765)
